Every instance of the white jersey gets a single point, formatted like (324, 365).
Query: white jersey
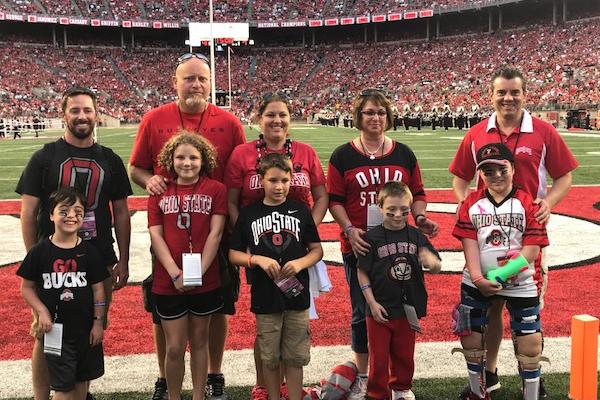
(501, 230)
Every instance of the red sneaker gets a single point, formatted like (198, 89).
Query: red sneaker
(283, 392)
(259, 393)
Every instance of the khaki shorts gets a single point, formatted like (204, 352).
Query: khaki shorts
(284, 337)
(108, 284)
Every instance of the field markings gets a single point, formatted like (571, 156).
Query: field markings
(138, 372)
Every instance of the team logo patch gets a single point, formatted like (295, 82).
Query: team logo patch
(496, 238)
(401, 269)
(66, 295)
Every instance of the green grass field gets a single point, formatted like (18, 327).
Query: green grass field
(430, 389)
(434, 151)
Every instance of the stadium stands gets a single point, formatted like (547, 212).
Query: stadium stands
(229, 10)
(560, 63)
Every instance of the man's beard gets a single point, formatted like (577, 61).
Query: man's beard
(195, 102)
(78, 133)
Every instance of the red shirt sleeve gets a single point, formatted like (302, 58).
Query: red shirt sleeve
(238, 130)
(559, 160)
(463, 165)
(155, 215)
(219, 199)
(464, 229)
(234, 172)
(141, 156)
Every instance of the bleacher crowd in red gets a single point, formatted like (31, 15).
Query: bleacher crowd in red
(229, 10)
(560, 70)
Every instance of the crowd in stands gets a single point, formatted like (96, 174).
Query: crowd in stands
(229, 10)
(560, 63)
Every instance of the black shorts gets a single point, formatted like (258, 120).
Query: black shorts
(230, 281)
(230, 296)
(78, 362)
(201, 304)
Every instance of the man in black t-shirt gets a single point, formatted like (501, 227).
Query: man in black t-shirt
(99, 174)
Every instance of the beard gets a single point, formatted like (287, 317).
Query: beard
(195, 102)
(81, 132)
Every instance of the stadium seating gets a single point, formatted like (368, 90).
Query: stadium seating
(561, 70)
(229, 10)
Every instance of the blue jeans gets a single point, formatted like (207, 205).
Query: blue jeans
(358, 303)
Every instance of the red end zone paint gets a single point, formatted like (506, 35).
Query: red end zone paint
(130, 331)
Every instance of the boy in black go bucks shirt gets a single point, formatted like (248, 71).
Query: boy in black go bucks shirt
(62, 281)
(280, 238)
(391, 279)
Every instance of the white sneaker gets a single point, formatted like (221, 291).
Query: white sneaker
(358, 390)
(403, 395)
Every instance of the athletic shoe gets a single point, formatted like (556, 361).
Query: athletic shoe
(542, 394)
(358, 390)
(160, 390)
(491, 382)
(403, 395)
(259, 393)
(215, 387)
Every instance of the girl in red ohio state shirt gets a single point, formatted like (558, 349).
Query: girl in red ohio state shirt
(186, 224)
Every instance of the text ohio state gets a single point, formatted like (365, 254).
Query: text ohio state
(374, 179)
(276, 223)
(513, 220)
(194, 203)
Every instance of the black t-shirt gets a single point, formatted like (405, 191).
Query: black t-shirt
(97, 171)
(64, 279)
(392, 265)
(280, 232)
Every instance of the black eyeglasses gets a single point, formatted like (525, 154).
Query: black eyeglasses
(184, 57)
(280, 95)
(372, 113)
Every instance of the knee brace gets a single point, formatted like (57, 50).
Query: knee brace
(525, 321)
(478, 319)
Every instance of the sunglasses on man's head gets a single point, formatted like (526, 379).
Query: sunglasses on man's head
(184, 57)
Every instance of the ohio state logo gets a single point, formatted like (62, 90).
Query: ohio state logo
(495, 238)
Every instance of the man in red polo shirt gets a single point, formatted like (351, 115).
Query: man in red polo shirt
(538, 151)
(193, 113)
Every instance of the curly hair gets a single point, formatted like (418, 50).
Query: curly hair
(208, 153)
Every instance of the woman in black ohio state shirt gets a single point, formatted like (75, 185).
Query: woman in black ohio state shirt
(357, 170)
